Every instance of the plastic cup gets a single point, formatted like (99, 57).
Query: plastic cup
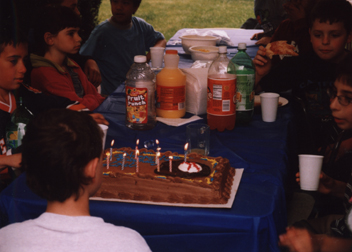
(198, 135)
(157, 55)
(309, 170)
(104, 128)
(269, 103)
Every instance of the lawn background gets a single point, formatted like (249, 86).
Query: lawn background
(168, 16)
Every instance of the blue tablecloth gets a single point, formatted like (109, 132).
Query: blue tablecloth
(255, 220)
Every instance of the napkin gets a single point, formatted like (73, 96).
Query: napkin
(177, 121)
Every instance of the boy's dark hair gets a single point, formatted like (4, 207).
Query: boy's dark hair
(344, 70)
(135, 2)
(333, 11)
(10, 32)
(53, 19)
(58, 145)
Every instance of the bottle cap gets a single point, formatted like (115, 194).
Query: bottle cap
(171, 52)
(222, 49)
(242, 46)
(140, 58)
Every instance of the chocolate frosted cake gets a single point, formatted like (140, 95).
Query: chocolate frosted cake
(200, 180)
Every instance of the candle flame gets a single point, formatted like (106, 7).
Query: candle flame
(186, 146)
(137, 142)
(112, 142)
(124, 154)
(157, 141)
(158, 149)
(171, 157)
(158, 154)
(108, 154)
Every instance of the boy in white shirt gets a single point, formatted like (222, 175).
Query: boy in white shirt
(62, 154)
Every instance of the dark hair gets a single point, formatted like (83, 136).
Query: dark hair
(58, 145)
(344, 70)
(10, 31)
(333, 11)
(136, 3)
(53, 19)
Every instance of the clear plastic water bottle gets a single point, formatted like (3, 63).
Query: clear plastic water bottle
(244, 69)
(16, 128)
(140, 95)
(221, 106)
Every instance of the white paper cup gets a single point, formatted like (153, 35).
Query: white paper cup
(309, 171)
(104, 128)
(269, 103)
(198, 135)
(157, 55)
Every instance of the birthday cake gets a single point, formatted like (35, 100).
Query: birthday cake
(200, 180)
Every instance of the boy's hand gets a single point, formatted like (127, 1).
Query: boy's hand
(299, 240)
(11, 160)
(263, 41)
(257, 36)
(262, 64)
(92, 71)
(99, 118)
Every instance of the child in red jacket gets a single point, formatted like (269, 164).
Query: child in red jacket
(56, 35)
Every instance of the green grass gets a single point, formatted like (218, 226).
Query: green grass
(168, 16)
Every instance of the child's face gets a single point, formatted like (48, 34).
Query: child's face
(12, 67)
(329, 40)
(72, 4)
(122, 11)
(67, 40)
(342, 113)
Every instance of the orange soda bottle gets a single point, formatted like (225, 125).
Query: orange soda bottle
(221, 100)
(171, 88)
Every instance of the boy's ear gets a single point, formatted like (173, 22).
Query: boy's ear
(349, 38)
(91, 168)
(48, 38)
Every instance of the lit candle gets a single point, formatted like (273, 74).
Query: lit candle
(186, 147)
(170, 163)
(157, 143)
(107, 160)
(137, 161)
(137, 142)
(112, 143)
(123, 160)
(157, 150)
(158, 161)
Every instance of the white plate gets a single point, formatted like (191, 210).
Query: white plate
(282, 101)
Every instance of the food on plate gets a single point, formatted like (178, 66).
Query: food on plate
(202, 50)
(201, 180)
(280, 48)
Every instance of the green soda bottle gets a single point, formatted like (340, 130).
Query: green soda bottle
(15, 129)
(241, 65)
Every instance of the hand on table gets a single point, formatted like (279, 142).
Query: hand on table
(11, 160)
(92, 71)
(99, 118)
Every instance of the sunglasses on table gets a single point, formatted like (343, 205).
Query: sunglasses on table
(342, 99)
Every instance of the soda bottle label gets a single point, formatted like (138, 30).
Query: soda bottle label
(245, 93)
(171, 98)
(12, 139)
(137, 105)
(221, 96)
